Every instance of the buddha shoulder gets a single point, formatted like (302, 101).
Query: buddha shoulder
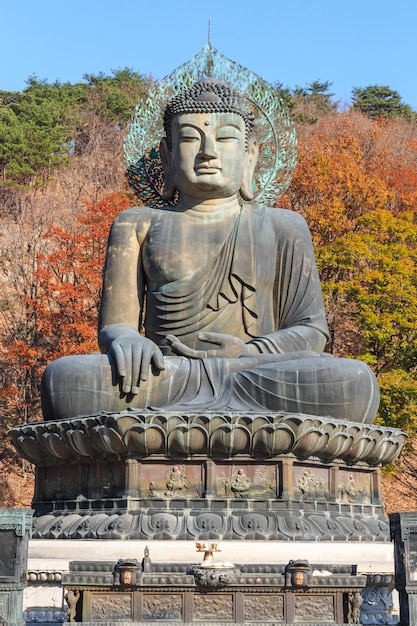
(283, 221)
(135, 219)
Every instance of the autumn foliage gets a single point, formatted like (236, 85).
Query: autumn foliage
(60, 317)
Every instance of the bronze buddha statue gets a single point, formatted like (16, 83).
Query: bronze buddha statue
(227, 291)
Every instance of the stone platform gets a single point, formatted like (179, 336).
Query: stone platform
(165, 475)
(273, 489)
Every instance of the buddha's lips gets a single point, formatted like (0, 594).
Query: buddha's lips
(207, 169)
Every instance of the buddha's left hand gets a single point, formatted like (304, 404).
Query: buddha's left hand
(227, 346)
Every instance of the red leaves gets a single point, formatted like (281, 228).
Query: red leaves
(62, 318)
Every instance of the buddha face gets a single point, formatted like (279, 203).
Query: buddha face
(208, 154)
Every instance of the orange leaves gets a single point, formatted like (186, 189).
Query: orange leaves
(335, 182)
(70, 277)
(61, 318)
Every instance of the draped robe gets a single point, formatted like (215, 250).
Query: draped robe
(262, 287)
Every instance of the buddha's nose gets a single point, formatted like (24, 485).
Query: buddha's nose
(208, 148)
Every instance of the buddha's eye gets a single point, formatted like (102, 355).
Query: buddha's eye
(229, 133)
(188, 134)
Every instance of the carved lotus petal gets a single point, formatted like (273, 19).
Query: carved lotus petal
(338, 443)
(262, 420)
(79, 441)
(173, 421)
(218, 420)
(393, 450)
(273, 439)
(206, 524)
(145, 439)
(389, 445)
(55, 445)
(310, 442)
(254, 523)
(382, 445)
(244, 420)
(229, 439)
(301, 424)
(359, 449)
(201, 420)
(185, 440)
(107, 440)
(162, 523)
(30, 448)
(122, 423)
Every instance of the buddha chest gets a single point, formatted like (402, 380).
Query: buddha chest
(177, 248)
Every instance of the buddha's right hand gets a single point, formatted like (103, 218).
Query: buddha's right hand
(133, 354)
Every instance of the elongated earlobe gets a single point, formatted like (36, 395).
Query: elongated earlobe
(169, 190)
(251, 159)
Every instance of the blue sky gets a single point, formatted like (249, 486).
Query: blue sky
(351, 43)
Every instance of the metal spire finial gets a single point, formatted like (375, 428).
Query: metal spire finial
(209, 31)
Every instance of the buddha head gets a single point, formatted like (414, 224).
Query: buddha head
(209, 150)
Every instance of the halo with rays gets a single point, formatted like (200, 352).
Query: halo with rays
(274, 128)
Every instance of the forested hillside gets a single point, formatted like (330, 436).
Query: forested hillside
(62, 182)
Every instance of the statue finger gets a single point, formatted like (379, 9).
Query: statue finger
(158, 359)
(215, 338)
(145, 362)
(182, 350)
(176, 345)
(136, 363)
(127, 378)
(119, 356)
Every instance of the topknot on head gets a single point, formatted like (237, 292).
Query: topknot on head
(208, 96)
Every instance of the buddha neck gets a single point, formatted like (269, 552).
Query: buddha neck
(213, 209)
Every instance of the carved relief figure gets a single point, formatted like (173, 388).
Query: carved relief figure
(177, 481)
(349, 490)
(72, 596)
(240, 485)
(109, 485)
(307, 483)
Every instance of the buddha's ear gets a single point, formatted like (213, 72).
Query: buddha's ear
(169, 190)
(250, 163)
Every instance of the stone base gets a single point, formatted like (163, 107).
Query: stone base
(145, 475)
(218, 519)
(213, 623)
(273, 488)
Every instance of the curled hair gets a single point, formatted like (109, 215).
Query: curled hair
(208, 96)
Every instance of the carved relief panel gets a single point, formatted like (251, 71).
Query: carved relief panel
(354, 486)
(111, 606)
(106, 480)
(314, 609)
(311, 483)
(8, 548)
(62, 482)
(246, 480)
(213, 607)
(162, 607)
(412, 557)
(265, 608)
(4, 606)
(172, 480)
